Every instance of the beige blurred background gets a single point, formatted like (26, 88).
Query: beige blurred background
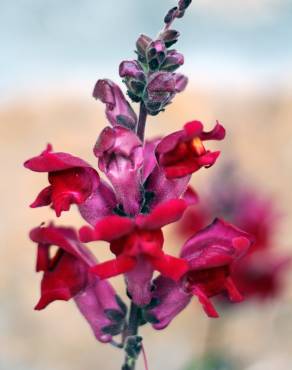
(239, 58)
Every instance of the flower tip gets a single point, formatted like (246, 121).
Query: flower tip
(104, 338)
(242, 244)
(86, 234)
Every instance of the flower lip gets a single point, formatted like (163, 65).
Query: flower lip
(49, 161)
(71, 179)
(182, 153)
(217, 245)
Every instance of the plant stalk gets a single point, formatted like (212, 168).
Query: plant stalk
(142, 122)
(131, 332)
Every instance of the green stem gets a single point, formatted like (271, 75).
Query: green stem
(142, 122)
(131, 333)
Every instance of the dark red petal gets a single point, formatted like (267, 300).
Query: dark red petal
(44, 198)
(190, 196)
(182, 169)
(218, 133)
(169, 142)
(107, 229)
(43, 260)
(49, 161)
(71, 186)
(162, 214)
(217, 245)
(65, 238)
(170, 266)
(193, 129)
(67, 278)
(114, 267)
(208, 159)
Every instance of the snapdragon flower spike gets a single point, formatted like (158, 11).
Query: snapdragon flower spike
(71, 179)
(120, 155)
(137, 243)
(67, 275)
(118, 110)
(183, 153)
(211, 254)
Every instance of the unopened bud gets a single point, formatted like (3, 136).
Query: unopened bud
(171, 15)
(134, 78)
(184, 4)
(173, 61)
(169, 37)
(141, 45)
(156, 53)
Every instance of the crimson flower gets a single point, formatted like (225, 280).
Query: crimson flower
(211, 254)
(71, 179)
(137, 243)
(67, 275)
(182, 153)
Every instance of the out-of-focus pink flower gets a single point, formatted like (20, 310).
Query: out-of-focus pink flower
(71, 179)
(182, 153)
(211, 254)
(67, 275)
(137, 243)
(259, 273)
(118, 110)
(120, 155)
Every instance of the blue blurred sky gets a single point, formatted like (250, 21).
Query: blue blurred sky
(70, 43)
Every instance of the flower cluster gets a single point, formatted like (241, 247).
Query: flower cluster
(147, 188)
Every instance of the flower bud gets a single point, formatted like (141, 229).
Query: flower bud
(173, 61)
(134, 78)
(171, 15)
(118, 110)
(141, 45)
(155, 53)
(184, 4)
(169, 37)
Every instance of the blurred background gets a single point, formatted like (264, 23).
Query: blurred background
(238, 56)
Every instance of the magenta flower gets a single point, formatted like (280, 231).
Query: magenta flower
(182, 153)
(211, 254)
(120, 155)
(71, 179)
(118, 110)
(137, 244)
(67, 275)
